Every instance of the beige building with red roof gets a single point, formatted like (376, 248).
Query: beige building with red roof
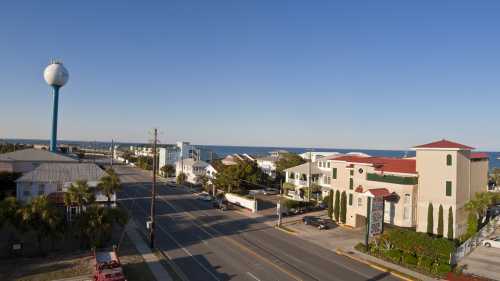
(442, 173)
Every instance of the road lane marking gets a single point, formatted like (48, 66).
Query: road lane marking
(253, 276)
(181, 247)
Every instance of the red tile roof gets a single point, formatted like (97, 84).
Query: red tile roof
(444, 144)
(384, 164)
(479, 155)
(379, 192)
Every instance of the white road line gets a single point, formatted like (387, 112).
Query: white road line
(182, 247)
(253, 276)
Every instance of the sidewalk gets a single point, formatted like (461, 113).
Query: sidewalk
(152, 260)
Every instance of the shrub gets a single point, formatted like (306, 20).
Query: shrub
(361, 247)
(430, 219)
(425, 263)
(394, 255)
(450, 223)
(343, 207)
(440, 221)
(410, 260)
(442, 268)
(336, 209)
(329, 202)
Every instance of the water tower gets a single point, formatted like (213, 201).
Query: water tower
(56, 75)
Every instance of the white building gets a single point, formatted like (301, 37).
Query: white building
(268, 165)
(183, 150)
(191, 168)
(26, 160)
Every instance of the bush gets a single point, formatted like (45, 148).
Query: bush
(394, 255)
(410, 260)
(361, 247)
(443, 269)
(425, 263)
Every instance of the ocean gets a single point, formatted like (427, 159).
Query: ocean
(223, 150)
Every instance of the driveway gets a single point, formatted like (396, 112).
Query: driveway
(484, 262)
(336, 237)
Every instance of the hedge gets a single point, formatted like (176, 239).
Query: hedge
(391, 179)
(430, 254)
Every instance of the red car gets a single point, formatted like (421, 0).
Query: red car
(108, 267)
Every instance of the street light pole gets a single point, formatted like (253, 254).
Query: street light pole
(153, 195)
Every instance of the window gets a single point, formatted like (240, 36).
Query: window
(328, 164)
(360, 170)
(448, 188)
(406, 213)
(352, 172)
(334, 173)
(351, 183)
(350, 199)
(291, 175)
(407, 198)
(360, 202)
(26, 192)
(448, 160)
(59, 187)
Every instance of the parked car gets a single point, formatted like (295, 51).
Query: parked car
(271, 191)
(204, 197)
(492, 242)
(315, 222)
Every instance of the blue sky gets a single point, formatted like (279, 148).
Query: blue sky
(357, 74)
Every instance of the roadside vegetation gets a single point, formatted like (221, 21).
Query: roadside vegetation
(415, 250)
(240, 178)
(79, 221)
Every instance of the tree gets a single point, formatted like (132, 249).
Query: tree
(336, 209)
(343, 207)
(181, 178)
(236, 178)
(42, 217)
(109, 184)
(430, 219)
(8, 184)
(203, 180)
(450, 223)
(79, 194)
(97, 223)
(168, 170)
(440, 228)
(329, 202)
(476, 208)
(8, 211)
(285, 161)
(145, 162)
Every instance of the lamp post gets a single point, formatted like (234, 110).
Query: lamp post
(56, 75)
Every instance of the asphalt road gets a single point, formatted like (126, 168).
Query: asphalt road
(207, 244)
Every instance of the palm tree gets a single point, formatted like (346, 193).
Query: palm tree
(168, 170)
(97, 223)
(79, 194)
(43, 217)
(203, 180)
(109, 185)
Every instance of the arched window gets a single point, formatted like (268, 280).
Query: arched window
(448, 160)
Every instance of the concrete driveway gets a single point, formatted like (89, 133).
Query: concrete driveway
(484, 262)
(336, 237)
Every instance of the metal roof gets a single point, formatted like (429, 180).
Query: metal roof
(35, 155)
(64, 172)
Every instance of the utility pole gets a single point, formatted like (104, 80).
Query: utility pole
(153, 194)
(279, 204)
(310, 179)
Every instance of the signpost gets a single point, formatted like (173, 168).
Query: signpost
(374, 217)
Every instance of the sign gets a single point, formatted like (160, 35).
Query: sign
(376, 222)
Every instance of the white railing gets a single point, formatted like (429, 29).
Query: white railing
(465, 248)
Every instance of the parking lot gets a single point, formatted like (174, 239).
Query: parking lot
(332, 238)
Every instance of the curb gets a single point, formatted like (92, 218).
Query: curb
(286, 230)
(379, 267)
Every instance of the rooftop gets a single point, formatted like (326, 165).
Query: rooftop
(35, 155)
(384, 164)
(64, 172)
(304, 168)
(444, 144)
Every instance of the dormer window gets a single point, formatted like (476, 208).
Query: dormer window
(448, 160)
